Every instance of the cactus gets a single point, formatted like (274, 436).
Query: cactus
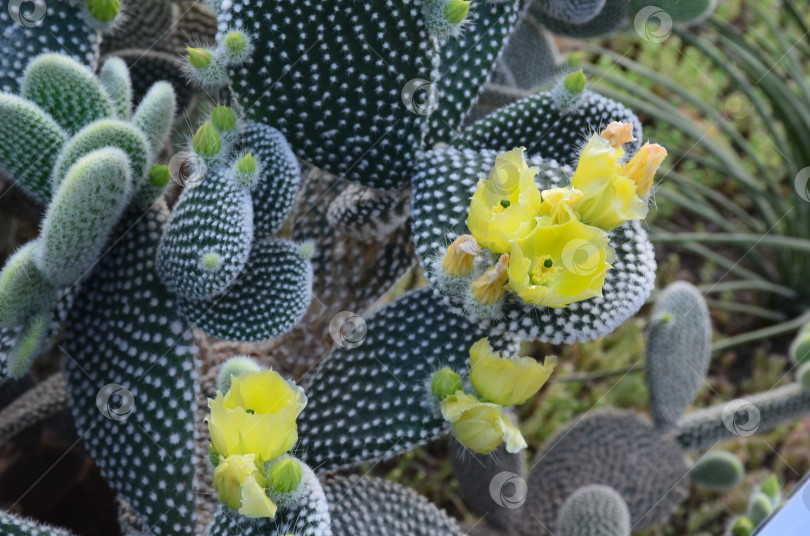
(718, 470)
(376, 145)
(608, 20)
(476, 475)
(310, 517)
(442, 187)
(28, 126)
(34, 405)
(594, 511)
(466, 62)
(757, 413)
(23, 290)
(678, 351)
(368, 213)
(572, 11)
(13, 525)
(85, 206)
(551, 125)
(614, 448)
(367, 506)
(67, 90)
(115, 80)
(33, 28)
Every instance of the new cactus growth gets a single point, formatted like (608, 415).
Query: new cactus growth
(594, 511)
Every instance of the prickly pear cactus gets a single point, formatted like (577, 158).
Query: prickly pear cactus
(594, 511)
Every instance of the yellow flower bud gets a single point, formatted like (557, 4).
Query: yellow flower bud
(641, 169)
(480, 426)
(489, 288)
(229, 475)
(458, 261)
(617, 134)
(506, 381)
(256, 416)
(444, 383)
(285, 475)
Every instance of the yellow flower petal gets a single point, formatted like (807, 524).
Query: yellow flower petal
(511, 436)
(480, 428)
(505, 202)
(489, 287)
(454, 405)
(559, 204)
(255, 502)
(609, 197)
(617, 134)
(560, 264)
(257, 416)
(458, 261)
(229, 476)
(641, 169)
(505, 381)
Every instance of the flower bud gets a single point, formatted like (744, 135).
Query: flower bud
(445, 382)
(159, 176)
(641, 169)
(575, 82)
(285, 475)
(488, 288)
(104, 10)
(206, 141)
(223, 119)
(458, 261)
(199, 58)
(456, 11)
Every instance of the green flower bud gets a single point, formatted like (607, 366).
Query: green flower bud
(456, 10)
(236, 47)
(199, 58)
(206, 141)
(223, 119)
(104, 10)
(246, 171)
(575, 82)
(159, 176)
(285, 475)
(444, 383)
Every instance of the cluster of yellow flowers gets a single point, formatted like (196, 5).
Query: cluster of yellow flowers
(552, 246)
(252, 426)
(478, 421)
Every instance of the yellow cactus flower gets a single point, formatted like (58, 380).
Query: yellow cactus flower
(557, 265)
(489, 288)
(236, 479)
(613, 192)
(503, 206)
(256, 416)
(255, 502)
(506, 381)
(460, 256)
(480, 426)
(642, 167)
(559, 204)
